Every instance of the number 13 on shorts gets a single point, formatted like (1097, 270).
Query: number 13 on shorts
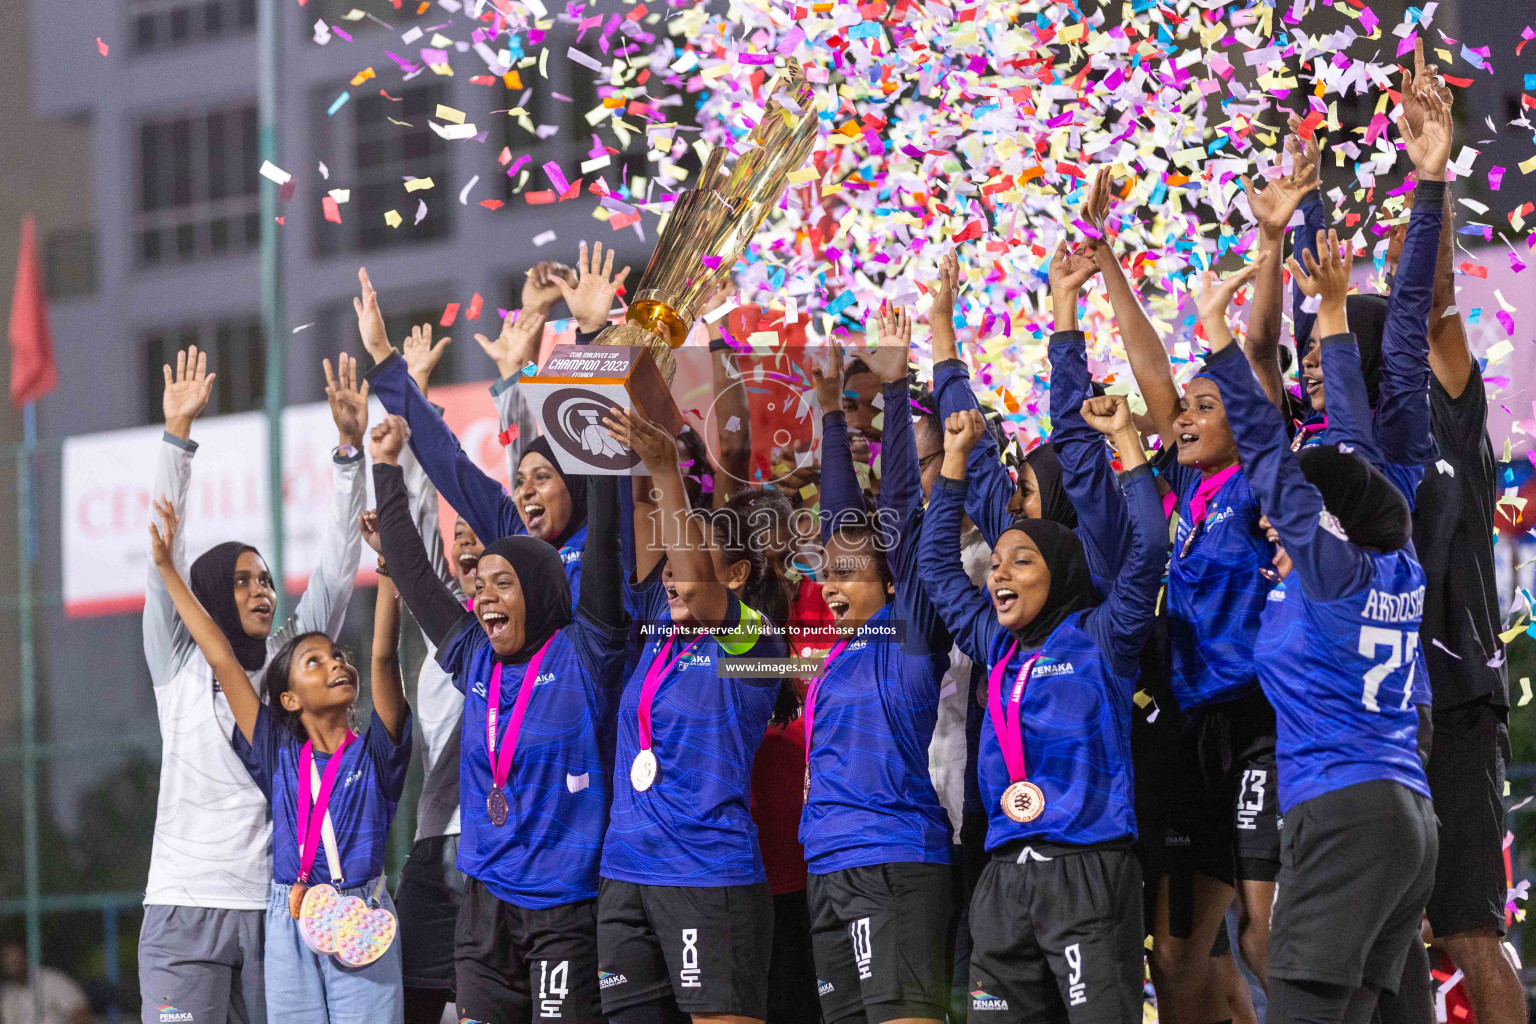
(1401, 645)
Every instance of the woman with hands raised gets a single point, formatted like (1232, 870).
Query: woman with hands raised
(685, 915)
(1054, 762)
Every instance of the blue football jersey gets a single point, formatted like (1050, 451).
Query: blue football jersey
(693, 826)
(362, 804)
(872, 799)
(1216, 593)
(547, 853)
(1341, 675)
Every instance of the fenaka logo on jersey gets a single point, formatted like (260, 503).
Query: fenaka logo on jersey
(982, 1000)
(824, 988)
(169, 1014)
(608, 979)
(1047, 667)
(573, 418)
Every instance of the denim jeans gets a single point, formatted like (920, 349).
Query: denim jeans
(304, 987)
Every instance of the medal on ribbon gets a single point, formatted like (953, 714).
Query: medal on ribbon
(311, 818)
(496, 806)
(1022, 801)
(645, 769)
(810, 709)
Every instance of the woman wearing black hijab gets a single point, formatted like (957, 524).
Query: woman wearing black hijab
(1056, 917)
(536, 748)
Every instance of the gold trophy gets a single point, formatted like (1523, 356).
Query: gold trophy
(717, 218)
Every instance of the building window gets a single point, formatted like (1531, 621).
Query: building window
(383, 155)
(235, 353)
(198, 194)
(69, 263)
(167, 24)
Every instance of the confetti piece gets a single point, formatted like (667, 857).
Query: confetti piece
(543, 238)
(272, 172)
(450, 314)
(472, 311)
(418, 184)
(101, 47)
(1525, 692)
(331, 209)
(392, 218)
(337, 104)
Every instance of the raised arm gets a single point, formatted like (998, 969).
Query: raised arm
(590, 296)
(901, 484)
(515, 349)
(733, 415)
(167, 644)
(693, 571)
(1272, 210)
(841, 497)
(1304, 240)
(387, 686)
(323, 608)
(437, 610)
(1402, 408)
(991, 488)
(243, 701)
(1329, 567)
(474, 495)
(966, 609)
(1103, 525)
(602, 591)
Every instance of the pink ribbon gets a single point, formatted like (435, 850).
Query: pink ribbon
(501, 763)
(810, 695)
(311, 819)
(657, 671)
(1009, 729)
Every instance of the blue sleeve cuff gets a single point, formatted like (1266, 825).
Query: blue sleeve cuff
(1074, 337)
(960, 487)
(184, 443)
(1232, 351)
(383, 365)
(503, 385)
(1347, 338)
(1145, 469)
(1432, 192)
(834, 416)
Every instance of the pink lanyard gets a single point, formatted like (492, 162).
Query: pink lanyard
(1304, 432)
(810, 695)
(1200, 501)
(657, 671)
(311, 819)
(501, 764)
(1010, 731)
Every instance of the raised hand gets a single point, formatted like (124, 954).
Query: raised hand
(1215, 296)
(187, 391)
(1108, 414)
(421, 355)
(518, 343)
(540, 288)
(387, 440)
(941, 315)
(368, 526)
(962, 430)
(370, 322)
(654, 445)
(349, 403)
(162, 541)
(1095, 211)
(829, 384)
(892, 330)
(1428, 144)
(1069, 271)
(1327, 273)
(1420, 83)
(591, 299)
(1273, 206)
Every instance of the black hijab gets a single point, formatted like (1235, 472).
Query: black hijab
(1054, 503)
(1071, 585)
(1367, 315)
(213, 582)
(546, 590)
(575, 487)
(1372, 511)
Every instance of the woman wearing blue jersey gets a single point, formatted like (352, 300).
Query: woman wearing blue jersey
(1336, 657)
(685, 921)
(1228, 824)
(877, 840)
(535, 751)
(1056, 917)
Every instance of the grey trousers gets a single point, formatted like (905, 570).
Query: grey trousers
(201, 965)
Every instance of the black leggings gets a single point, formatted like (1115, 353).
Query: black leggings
(425, 1005)
(1414, 1002)
(650, 1013)
(1316, 1002)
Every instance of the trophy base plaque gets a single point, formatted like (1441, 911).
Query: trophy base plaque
(577, 386)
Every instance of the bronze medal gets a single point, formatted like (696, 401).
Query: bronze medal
(496, 806)
(296, 898)
(1023, 802)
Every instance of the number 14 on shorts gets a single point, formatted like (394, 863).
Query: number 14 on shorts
(1401, 645)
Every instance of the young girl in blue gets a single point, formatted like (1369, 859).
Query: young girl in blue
(1336, 659)
(301, 733)
(685, 918)
(535, 751)
(876, 838)
(1056, 917)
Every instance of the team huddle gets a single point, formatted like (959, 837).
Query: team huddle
(1065, 709)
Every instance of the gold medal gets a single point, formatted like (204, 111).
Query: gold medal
(642, 774)
(1023, 802)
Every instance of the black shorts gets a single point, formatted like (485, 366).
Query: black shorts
(1057, 936)
(880, 933)
(428, 903)
(1357, 866)
(513, 965)
(708, 947)
(1466, 777)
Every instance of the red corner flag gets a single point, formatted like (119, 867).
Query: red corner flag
(33, 372)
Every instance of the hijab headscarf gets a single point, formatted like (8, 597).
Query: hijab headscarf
(1071, 585)
(213, 582)
(1368, 323)
(1373, 512)
(1054, 503)
(546, 591)
(575, 487)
